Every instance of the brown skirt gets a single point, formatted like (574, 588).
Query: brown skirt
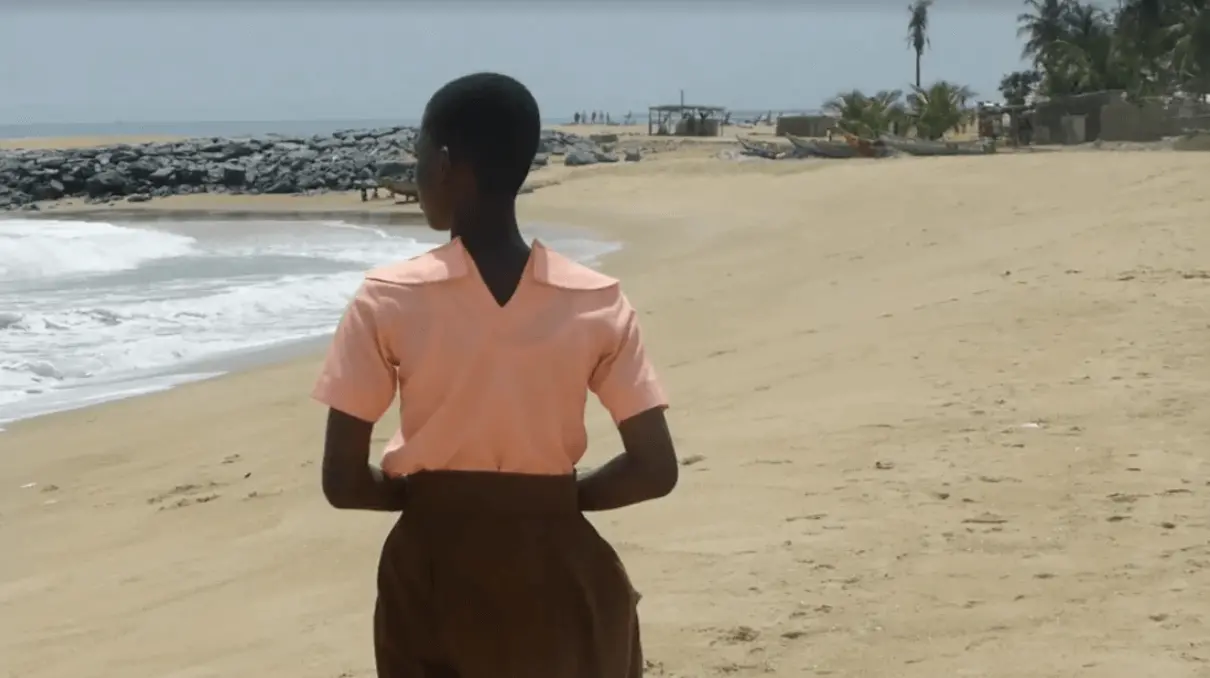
(495, 575)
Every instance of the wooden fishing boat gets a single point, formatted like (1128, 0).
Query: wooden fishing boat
(819, 148)
(760, 150)
(925, 147)
(399, 178)
(400, 188)
(867, 148)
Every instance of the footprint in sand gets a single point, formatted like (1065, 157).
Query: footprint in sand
(186, 495)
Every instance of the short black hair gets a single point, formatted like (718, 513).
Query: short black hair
(490, 121)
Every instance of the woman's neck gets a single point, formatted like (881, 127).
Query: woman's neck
(488, 225)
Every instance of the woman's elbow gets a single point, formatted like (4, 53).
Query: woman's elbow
(664, 478)
(336, 492)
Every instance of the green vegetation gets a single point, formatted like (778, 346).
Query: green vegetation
(918, 31)
(1144, 47)
(931, 110)
(938, 109)
(865, 115)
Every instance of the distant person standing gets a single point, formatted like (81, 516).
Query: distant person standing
(577, 118)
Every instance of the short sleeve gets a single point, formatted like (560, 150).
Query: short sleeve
(624, 380)
(359, 376)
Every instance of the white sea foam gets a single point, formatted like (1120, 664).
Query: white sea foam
(42, 249)
(126, 333)
(89, 308)
(94, 311)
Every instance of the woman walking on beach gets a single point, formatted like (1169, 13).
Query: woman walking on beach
(492, 571)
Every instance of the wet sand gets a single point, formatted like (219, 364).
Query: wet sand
(937, 417)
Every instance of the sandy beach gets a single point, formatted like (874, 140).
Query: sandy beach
(937, 417)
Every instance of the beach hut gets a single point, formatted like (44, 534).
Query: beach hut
(684, 120)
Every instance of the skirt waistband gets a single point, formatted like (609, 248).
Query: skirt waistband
(489, 492)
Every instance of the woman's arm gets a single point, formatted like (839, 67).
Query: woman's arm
(358, 383)
(626, 384)
(350, 481)
(647, 469)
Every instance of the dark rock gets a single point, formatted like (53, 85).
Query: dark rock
(553, 142)
(234, 175)
(309, 182)
(235, 149)
(578, 157)
(282, 187)
(72, 185)
(51, 161)
(633, 155)
(108, 182)
(164, 176)
(271, 164)
(191, 176)
(51, 190)
(302, 157)
(141, 169)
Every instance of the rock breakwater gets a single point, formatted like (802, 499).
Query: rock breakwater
(273, 164)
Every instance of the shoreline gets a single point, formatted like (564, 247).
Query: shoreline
(155, 213)
(152, 381)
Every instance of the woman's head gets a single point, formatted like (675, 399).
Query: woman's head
(478, 138)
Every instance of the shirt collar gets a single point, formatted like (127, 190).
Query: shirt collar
(451, 261)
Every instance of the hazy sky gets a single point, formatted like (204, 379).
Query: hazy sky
(259, 60)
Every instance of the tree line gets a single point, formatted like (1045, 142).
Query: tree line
(1143, 47)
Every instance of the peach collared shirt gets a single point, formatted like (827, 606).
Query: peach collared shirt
(484, 387)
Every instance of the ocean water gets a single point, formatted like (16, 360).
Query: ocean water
(237, 128)
(201, 128)
(93, 311)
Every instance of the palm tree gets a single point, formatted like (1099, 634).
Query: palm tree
(1090, 56)
(1145, 47)
(939, 108)
(918, 30)
(1042, 29)
(1189, 56)
(1141, 24)
(1016, 87)
(867, 116)
(1077, 48)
